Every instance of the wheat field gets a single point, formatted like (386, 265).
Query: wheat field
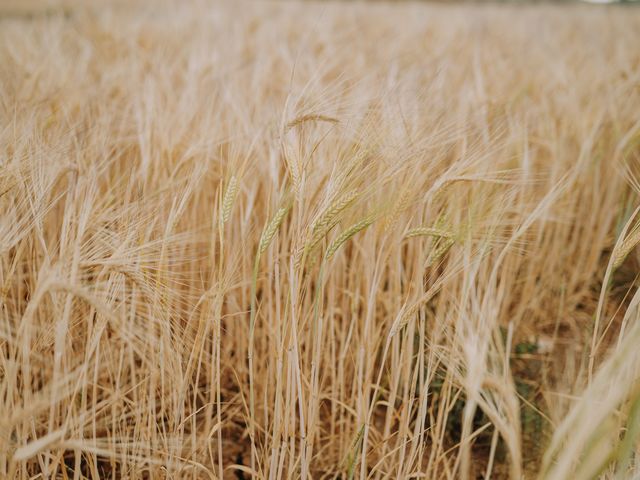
(279, 240)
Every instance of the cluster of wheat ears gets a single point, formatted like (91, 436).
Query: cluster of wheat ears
(319, 240)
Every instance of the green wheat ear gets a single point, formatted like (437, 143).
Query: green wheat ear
(320, 227)
(229, 198)
(347, 234)
(440, 251)
(325, 223)
(352, 455)
(272, 227)
(428, 231)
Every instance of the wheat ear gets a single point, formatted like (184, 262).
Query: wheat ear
(428, 231)
(229, 198)
(625, 248)
(272, 227)
(347, 234)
